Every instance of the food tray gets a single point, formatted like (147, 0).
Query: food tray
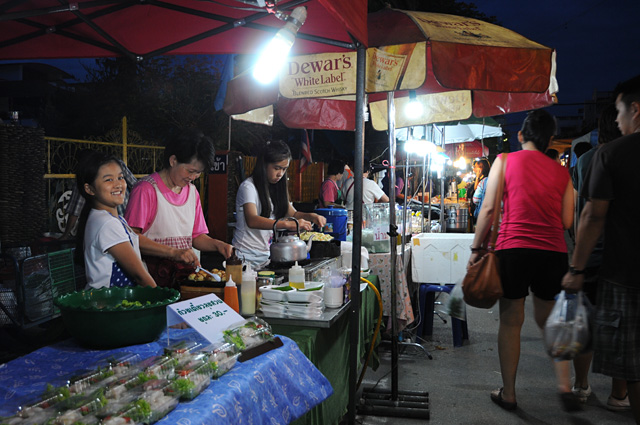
(312, 291)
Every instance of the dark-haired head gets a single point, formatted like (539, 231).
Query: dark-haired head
(553, 154)
(190, 145)
(273, 154)
(538, 127)
(335, 167)
(607, 126)
(629, 91)
(86, 175)
(484, 166)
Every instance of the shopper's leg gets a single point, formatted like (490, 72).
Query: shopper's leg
(618, 388)
(511, 320)
(581, 366)
(634, 398)
(541, 310)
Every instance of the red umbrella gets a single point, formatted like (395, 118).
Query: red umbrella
(42, 29)
(457, 66)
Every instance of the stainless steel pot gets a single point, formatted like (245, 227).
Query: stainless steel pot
(290, 247)
(457, 220)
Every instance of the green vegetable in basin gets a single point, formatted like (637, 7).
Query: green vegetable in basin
(98, 319)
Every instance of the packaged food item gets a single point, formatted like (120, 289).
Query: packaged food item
(192, 378)
(247, 334)
(222, 357)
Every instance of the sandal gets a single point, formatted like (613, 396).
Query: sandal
(496, 397)
(570, 403)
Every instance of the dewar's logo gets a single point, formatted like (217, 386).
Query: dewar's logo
(326, 65)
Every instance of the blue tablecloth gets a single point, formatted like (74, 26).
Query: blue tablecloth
(274, 388)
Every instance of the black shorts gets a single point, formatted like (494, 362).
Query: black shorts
(524, 268)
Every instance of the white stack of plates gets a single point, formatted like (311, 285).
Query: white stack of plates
(284, 301)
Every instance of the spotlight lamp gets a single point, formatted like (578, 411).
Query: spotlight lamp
(414, 107)
(274, 55)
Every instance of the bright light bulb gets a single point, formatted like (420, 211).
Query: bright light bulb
(461, 163)
(414, 108)
(419, 147)
(273, 57)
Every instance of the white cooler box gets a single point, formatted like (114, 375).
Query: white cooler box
(440, 258)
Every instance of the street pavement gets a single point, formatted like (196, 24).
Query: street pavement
(459, 380)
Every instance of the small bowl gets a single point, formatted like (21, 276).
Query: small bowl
(97, 318)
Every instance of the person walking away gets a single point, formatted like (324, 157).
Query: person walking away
(618, 399)
(538, 206)
(616, 333)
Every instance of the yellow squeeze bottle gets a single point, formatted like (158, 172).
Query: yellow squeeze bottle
(296, 276)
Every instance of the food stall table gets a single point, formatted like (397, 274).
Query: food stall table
(326, 344)
(380, 265)
(276, 387)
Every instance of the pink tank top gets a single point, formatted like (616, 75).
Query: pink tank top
(532, 203)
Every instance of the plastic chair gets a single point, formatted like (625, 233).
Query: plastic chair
(427, 301)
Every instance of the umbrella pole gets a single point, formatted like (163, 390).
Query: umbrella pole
(393, 242)
(405, 404)
(354, 307)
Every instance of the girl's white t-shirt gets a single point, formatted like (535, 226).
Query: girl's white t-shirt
(102, 232)
(252, 244)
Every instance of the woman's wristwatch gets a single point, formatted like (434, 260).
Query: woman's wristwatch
(574, 272)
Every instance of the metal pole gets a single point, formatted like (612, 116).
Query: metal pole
(354, 308)
(423, 191)
(393, 234)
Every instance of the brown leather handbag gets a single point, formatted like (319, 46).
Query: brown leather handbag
(481, 285)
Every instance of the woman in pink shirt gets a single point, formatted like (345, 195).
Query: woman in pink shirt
(165, 206)
(537, 208)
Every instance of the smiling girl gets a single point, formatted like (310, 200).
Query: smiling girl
(111, 248)
(261, 200)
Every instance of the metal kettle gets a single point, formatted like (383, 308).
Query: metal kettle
(288, 248)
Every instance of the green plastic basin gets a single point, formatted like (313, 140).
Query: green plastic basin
(98, 319)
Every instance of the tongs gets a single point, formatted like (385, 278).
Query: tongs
(213, 275)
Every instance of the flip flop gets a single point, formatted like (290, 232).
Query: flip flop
(496, 397)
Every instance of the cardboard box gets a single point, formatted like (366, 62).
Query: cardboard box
(440, 258)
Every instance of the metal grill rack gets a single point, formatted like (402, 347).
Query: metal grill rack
(29, 285)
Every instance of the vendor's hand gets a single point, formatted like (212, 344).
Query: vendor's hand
(319, 220)
(186, 256)
(572, 282)
(304, 225)
(224, 248)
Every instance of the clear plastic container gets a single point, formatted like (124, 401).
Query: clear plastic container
(296, 276)
(192, 378)
(248, 334)
(248, 292)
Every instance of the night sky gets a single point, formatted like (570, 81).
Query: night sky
(596, 42)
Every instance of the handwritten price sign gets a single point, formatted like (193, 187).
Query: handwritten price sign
(208, 315)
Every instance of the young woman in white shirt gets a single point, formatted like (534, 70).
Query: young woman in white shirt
(261, 200)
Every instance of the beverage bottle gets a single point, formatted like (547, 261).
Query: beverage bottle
(296, 276)
(248, 292)
(234, 267)
(231, 295)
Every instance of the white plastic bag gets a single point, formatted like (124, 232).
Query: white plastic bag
(455, 306)
(566, 332)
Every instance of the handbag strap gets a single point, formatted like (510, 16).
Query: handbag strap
(496, 206)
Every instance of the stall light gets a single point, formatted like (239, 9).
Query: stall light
(274, 55)
(419, 147)
(414, 107)
(461, 163)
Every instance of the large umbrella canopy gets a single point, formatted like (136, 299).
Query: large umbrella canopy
(43, 29)
(457, 66)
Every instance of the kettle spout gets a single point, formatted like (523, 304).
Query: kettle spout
(309, 242)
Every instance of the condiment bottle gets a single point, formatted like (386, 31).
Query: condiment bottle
(296, 276)
(231, 295)
(234, 267)
(248, 292)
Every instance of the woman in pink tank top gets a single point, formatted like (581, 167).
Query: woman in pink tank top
(537, 208)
